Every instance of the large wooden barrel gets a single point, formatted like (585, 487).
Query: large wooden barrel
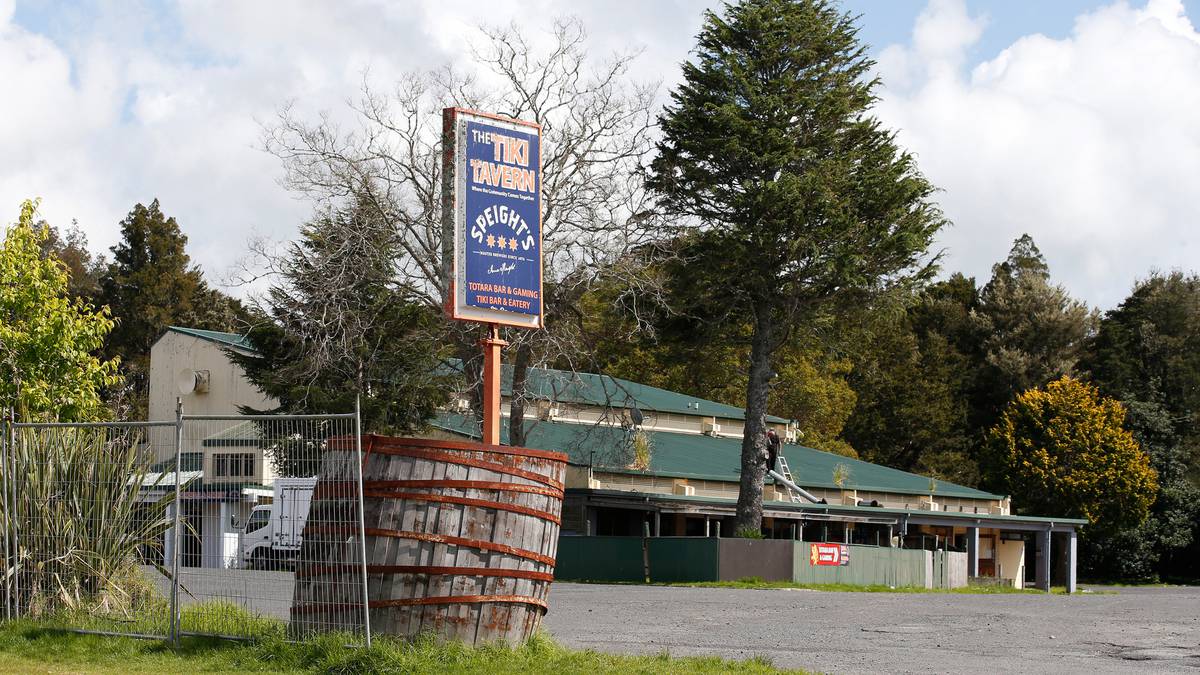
(461, 540)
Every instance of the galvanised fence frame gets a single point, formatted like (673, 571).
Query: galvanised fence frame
(191, 526)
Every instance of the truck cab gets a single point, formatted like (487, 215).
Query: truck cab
(273, 533)
(255, 537)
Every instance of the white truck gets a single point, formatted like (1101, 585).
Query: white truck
(271, 536)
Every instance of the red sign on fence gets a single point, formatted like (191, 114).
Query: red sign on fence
(830, 554)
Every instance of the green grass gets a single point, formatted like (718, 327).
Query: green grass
(28, 646)
(213, 617)
(1170, 583)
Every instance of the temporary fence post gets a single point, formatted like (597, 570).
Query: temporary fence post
(11, 505)
(176, 537)
(8, 558)
(362, 523)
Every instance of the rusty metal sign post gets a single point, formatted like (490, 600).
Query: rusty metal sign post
(492, 344)
(492, 234)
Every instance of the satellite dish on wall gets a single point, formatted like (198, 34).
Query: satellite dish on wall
(185, 381)
(190, 381)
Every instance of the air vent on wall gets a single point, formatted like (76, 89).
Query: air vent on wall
(190, 381)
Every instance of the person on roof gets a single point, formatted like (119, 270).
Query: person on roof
(773, 446)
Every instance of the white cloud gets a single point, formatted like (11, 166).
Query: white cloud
(1090, 143)
(132, 102)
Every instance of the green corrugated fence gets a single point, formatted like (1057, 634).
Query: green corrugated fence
(869, 566)
(684, 559)
(600, 559)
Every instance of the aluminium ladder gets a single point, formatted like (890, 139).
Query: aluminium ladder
(787, 473)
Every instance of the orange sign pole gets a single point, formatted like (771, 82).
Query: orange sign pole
(491, 384)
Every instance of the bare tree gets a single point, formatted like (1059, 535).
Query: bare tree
(597, 220)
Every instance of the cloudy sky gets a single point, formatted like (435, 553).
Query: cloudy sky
(1075, 121)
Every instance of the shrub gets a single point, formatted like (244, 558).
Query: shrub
(80, 525)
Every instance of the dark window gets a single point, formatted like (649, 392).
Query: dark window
(257, 521)
(233, 465)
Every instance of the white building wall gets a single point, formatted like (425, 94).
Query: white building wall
(228, 388)
(1010, 561)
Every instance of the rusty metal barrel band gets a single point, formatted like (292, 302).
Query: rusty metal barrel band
(451, 458)
(409, 602)
(435, 538)
(463, 485)
(462, 541)
(319, 570)
(381, 442)
(465, 501)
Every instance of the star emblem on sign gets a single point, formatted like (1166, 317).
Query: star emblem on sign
(503, 242)
(512, 244)
(491, 240)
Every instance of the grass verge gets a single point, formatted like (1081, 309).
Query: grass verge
(28, 646)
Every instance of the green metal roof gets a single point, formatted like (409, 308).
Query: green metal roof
(224, 339)
(243, 434)
(614, 392)
(708, 458)
(562, 385)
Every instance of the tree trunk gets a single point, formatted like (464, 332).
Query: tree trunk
(469, 353)
(516, 404)
(754, 468)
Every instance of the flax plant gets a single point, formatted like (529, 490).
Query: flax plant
(82, 529)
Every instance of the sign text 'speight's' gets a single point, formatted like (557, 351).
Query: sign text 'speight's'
(502, 215)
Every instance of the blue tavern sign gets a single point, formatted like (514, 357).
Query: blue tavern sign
(492, 219)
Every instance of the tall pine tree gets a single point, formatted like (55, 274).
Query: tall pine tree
(1034, 330)
(797, 192)
(151, 284)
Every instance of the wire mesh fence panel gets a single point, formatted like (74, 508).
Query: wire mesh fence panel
(269, 540)
(86, 510)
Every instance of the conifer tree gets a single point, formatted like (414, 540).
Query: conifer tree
(338, 322)
(797, 193)
(151, 284)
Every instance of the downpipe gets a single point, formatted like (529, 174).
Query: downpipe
(793, 487)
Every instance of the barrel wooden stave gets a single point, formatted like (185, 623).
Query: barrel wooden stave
(468, 621)
(398, 599)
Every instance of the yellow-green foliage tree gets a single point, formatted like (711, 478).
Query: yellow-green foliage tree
(48, 342)
(1063, 450)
